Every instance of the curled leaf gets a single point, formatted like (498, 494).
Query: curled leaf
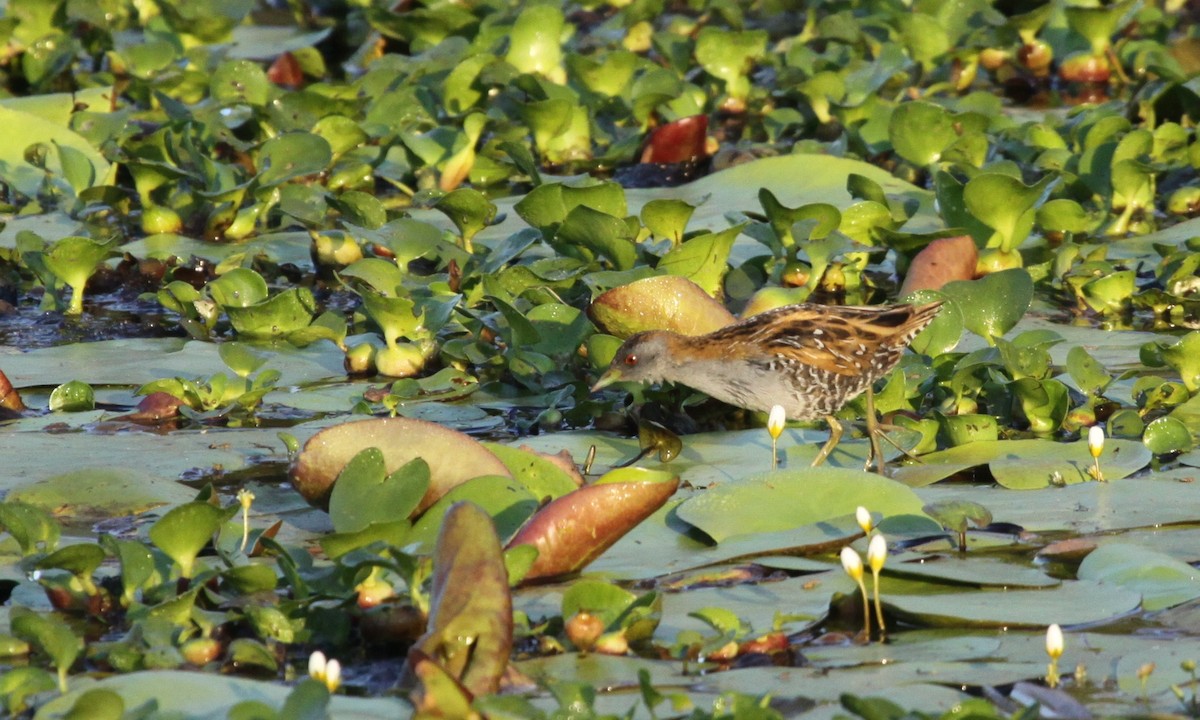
(453, 457)
(578, 527)
(665, 302)
(941, 261)
(470, 631)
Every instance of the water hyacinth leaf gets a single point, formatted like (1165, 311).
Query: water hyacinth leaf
(137, 565)
(384, 277)
(365, 493)
(536, 42)
(504, 499)
(73, 260)
(287, 312)
(1044, 403)
(1089, 375)
(703, 259)
(1162, 580)
(395, 316)
(578, 527)
(453, 457)
(666, 302)
(80, 560)
(993, 304)
(26, 129)
(240, 287)
(1006, 205)
(921, 131)
(600, 233)
(470, 620)
(1110, 293)
(1167, 435)
(250, 653)
(1184, 357)
(596, 597)
(240, 81)
(729, 55)
(667, 218)
(357, 207)
(958, 516)
(824, 218)
(793, 498)
(969, 428)
(293, 155)
(395, 533)
(31, 526)
(469, 210)
(51, 637)
(184, 531)
(542, 476)
(241, 358)
(73, 396)
(944, 333)
(21, 682)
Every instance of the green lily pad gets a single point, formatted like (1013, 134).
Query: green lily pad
(1028, 464)
(1161, 580)
(793, 498)
(1071, 603)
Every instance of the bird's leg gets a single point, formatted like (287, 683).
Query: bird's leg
(873, 432)
(835, 435)
(884, 428)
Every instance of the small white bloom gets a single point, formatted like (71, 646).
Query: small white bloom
(776, 421)
(333, 675)
(317, 665)
(865, 521)
(852, 562)
(1096, 440)
(245, 498)
(1054, 642)
(877, 553)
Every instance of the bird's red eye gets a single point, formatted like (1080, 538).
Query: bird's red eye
(631, 360)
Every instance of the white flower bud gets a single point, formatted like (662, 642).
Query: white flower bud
(776, 421)
(1054, 642)
(852, 562)
(317, 665)
(1096, 440)
(877, 553)
(865, 521)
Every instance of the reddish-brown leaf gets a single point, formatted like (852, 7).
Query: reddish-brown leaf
(679, 141)
(941, 261)
(285, 72)
(10, 399)
(154, 408)
(575, 529)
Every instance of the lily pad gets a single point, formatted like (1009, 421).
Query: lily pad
(1028, 464)
(453, 457)
(1071, 603)
(793, 498)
